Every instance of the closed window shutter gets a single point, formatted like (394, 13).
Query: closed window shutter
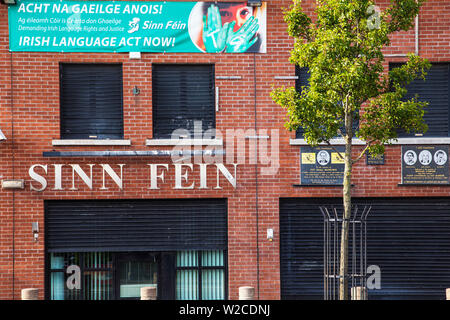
(434, 89)
(182, 94)
(302, 80)
(408, 238)
(91, 101)
(136, 225)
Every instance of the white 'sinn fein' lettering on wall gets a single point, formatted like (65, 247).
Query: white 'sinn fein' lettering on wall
(158, 172)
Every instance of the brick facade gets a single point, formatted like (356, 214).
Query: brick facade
(29, 118)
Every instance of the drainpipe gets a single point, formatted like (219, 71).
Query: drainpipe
(13, 176)
(416, 41)
(256, 177)
(416, 27)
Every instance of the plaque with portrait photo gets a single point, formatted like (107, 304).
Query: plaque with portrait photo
(322, 165)
(425, 164)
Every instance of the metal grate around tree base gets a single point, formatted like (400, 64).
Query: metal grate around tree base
(357, 249)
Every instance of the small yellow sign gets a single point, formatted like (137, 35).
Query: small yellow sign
(335, 158)
(308, 158)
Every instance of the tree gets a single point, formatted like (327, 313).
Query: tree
(342, 49)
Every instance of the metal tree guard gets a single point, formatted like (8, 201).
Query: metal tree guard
(357, 249)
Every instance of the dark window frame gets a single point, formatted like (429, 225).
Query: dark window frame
(199, 267)
(159, 135)
(409, 93)
(49, 271)
(298, 86)
(65, 136)
(118, 257)
(299, 82)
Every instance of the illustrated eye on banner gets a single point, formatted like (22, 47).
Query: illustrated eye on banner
(125, 26)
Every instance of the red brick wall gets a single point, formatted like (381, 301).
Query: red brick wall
(32, 121)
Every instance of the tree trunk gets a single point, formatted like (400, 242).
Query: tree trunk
(347, 199)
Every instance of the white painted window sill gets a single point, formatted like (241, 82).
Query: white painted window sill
(336, 142)
(422, 141)
(91, 142)
(400, 141)
(184, 142)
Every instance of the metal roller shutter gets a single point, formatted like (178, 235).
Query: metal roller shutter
(302, 81)
(436, 90)
(182, 94)
(409, 239)
(91, 101)
(136, 225)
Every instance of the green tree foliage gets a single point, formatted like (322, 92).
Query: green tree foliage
(342, 49)
(343, 52)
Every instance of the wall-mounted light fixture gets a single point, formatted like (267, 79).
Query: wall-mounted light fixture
(2, 136)
(35, 229)
(9, 2)
(134, 55)
(254, 3)
(13, 184)
(270, 234)
(136, 91)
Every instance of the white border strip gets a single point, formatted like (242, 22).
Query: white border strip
(400, 141)
(337, 142)
(91, 142)
(183, 142)
(285, 77)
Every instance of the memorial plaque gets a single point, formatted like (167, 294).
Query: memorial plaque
(425, 165)
(322, 166)
(374, 160)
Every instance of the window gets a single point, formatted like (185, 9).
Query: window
(434, 89)
(96, 276)
(200, 275)
(302, 80)
(91, 101)
(102, 275)
(186, 275)
(182, 95)
(135, 272)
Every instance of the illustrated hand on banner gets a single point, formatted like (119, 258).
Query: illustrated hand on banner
(216, 37)
(214, 34)
(241, 40)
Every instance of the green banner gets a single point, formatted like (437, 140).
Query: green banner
(124, 26)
